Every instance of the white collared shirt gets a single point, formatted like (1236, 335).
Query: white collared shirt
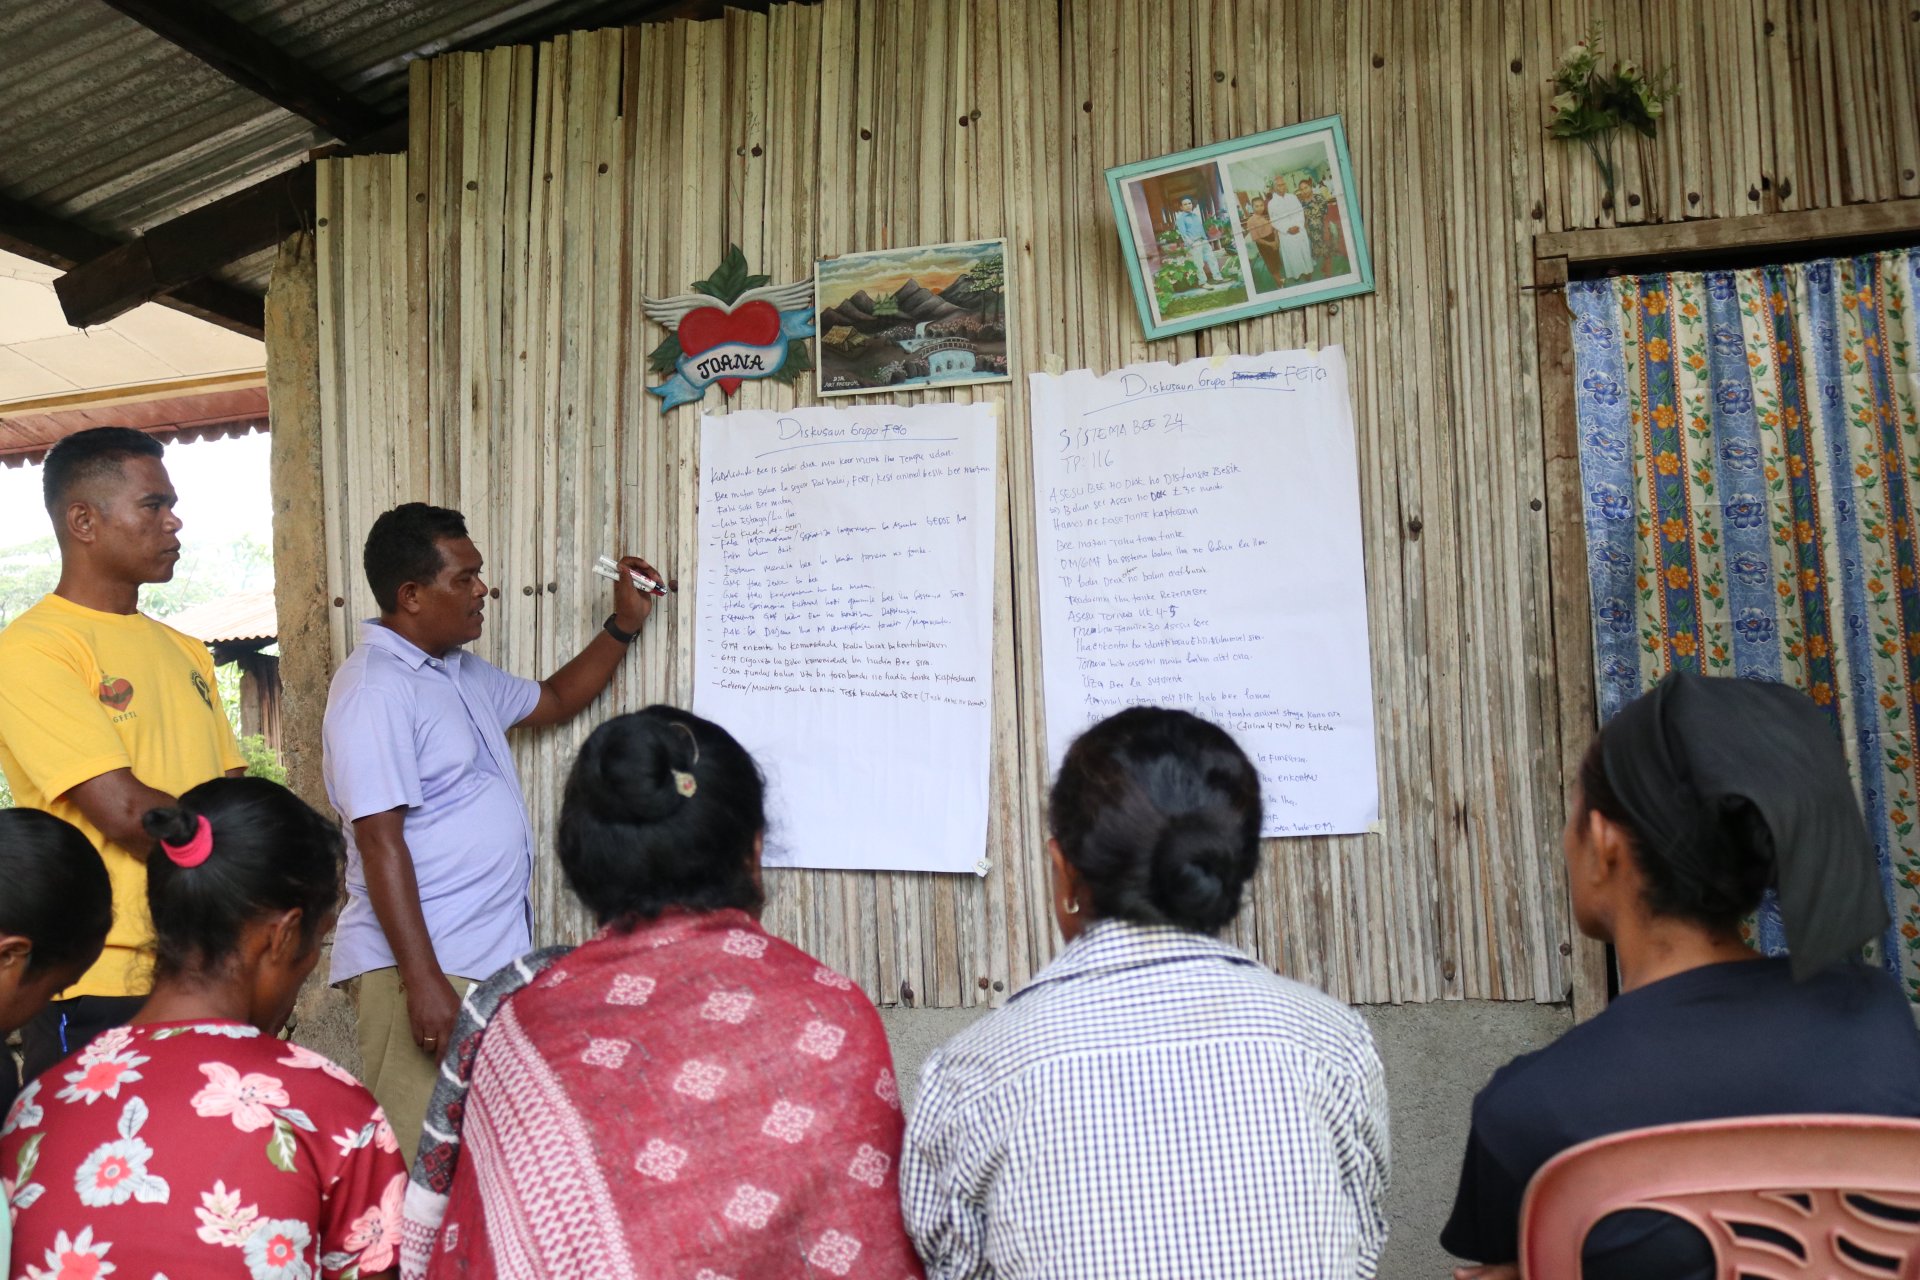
(1154, 1104)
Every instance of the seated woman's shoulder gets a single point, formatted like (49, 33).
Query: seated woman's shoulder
(245, 1048)
(1857, 1013)
(303, 1059)
(1292, 992)
(807, 971)
(1870, 984)
(1297, 1010)
(832, 993)
(1870, 1001)
(1246, 1003)
(234, 1059)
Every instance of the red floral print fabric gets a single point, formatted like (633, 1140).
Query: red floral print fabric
(200, 1149)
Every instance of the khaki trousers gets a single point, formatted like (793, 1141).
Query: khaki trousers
(400, 1075)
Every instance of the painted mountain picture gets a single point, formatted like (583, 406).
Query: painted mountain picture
(903, 319)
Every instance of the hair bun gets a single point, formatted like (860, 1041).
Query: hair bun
(1740, 864)
(171, 824)
(1195, 869)
(633, 773)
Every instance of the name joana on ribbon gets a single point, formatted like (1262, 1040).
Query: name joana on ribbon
(734, 326)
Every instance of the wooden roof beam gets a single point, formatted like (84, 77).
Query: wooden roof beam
(160, 263)
(178, 252)
(55, 242)
(254, 63)
(199, 242)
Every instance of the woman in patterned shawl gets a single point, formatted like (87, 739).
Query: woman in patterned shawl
(683, 1095)
(193, 1142)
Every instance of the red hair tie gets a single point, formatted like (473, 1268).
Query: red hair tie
(194, 851)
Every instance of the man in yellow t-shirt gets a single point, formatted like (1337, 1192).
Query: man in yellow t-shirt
(105, 713)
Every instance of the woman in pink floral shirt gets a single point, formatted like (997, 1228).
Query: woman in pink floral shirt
(193, 1143)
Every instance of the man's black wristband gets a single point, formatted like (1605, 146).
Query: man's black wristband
(624, 637)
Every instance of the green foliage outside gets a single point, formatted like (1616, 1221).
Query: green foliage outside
(262, 760)
(30, 570)
(27, 572)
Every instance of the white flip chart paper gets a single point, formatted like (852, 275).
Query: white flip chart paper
(1199, 547)
(845, 626)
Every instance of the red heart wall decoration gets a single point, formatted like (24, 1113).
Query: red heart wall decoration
(756, 324)
(733, 327)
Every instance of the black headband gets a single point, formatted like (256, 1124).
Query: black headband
(1676, 756)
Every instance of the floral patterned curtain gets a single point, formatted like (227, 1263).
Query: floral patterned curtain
(1750, 454)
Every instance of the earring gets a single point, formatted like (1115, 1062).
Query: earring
(1072, 908)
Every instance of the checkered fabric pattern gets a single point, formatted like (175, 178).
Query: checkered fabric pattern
(1154, 1104)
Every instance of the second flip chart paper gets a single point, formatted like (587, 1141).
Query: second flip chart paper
(1199, 546)
(845, 625)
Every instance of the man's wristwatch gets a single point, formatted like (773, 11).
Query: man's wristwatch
(624, 637)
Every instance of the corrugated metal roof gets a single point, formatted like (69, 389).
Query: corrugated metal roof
(245, 615)
(106, 124)
(364, 45)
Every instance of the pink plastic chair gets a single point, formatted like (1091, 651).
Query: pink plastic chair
(1749, 1171)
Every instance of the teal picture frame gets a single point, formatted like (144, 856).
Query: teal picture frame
(1242, 228)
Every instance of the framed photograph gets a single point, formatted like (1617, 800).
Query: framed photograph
(1241, 228)
(903, 319)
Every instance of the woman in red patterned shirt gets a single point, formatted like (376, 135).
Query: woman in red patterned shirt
(682, 1096)
(193, 1143)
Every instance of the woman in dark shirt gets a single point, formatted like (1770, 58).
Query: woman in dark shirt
(1693, 801)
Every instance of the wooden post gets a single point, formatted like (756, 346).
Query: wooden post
(1567, 581)
(299, 523)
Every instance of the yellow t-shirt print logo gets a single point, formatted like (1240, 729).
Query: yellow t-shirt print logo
(116, 691)
(200, 687)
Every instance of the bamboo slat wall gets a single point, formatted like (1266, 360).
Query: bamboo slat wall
(482, 346)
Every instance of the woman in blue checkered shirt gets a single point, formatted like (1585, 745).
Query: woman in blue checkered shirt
(1155, 1103)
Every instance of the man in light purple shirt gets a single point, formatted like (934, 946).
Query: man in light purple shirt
(440, 850)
